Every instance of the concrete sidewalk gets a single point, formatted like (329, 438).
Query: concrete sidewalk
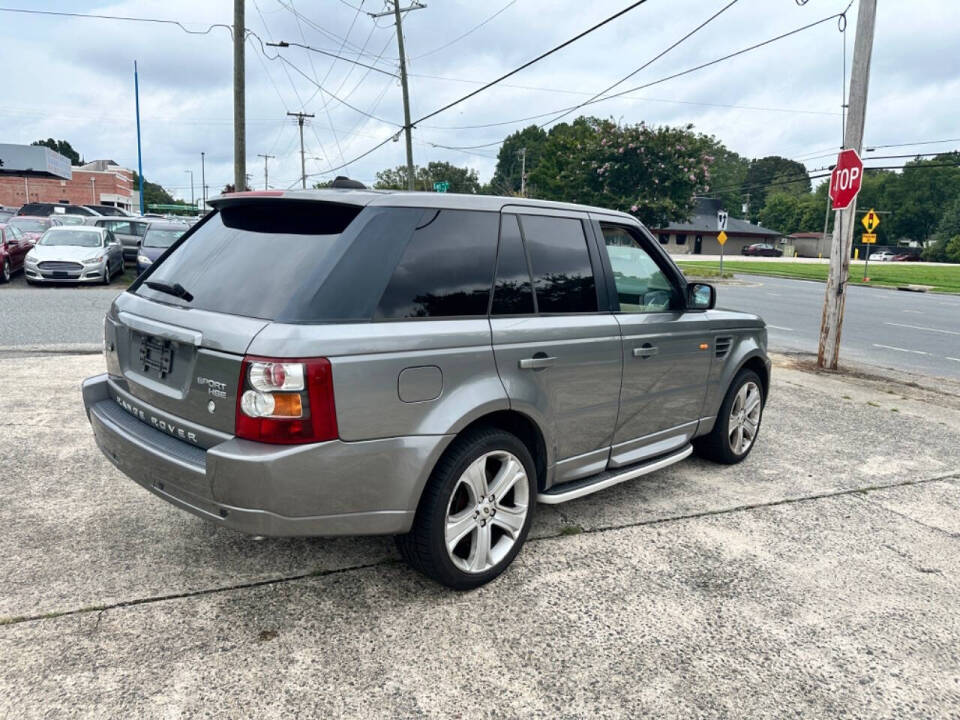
(818, 578)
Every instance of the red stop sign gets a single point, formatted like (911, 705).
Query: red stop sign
(845, 179)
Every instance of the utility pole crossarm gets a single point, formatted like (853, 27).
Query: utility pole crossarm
(303, 160)
(266, 176)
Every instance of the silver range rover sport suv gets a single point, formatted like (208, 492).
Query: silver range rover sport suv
(426, 365)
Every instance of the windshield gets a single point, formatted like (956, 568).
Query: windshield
(162, 238)
(31, 225)
(77, 238)
(253, 260)
(70, 220)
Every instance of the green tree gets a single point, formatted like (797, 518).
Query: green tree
(652, 173)
(506, 176)
(773, 174)
(781, 212)
(461, 179)
(916, 200)
(953, 249)
(61, 146)
(153, 194)
(726, 176)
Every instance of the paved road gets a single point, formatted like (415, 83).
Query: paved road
(916, 332)
(53, 316)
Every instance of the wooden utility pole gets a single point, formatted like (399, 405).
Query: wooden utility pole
(832, 322)
(266, 176)
(397, 13)
(303, 159)
(239, 99)
(523, 172)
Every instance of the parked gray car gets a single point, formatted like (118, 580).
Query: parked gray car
(425, 365)
(74, 253)
(129, 231)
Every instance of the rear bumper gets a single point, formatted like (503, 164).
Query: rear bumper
(333, 488)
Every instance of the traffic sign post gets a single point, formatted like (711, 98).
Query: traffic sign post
(870, 223)
(722, 235)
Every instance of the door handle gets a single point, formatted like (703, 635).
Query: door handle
(537, 362)
(645, 351)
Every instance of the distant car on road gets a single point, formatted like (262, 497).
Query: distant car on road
(159, 236)
(32, 227)
(883, 256)
(13, 248)
(79, 253)
(906, 257)
(129, 231)
(764, 249)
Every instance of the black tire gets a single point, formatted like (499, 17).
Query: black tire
(106, 274)
(6, 272)
(424, 547)
(716, 445)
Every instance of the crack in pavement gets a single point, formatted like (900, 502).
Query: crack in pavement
(935, 528)
(16, 620)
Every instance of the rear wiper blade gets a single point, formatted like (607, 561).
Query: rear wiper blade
(177, 290)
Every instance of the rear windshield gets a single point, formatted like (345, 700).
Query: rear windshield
(252, 260)
(162, 238)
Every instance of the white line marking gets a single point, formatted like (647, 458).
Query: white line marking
(773, 294)
(915, 312)
(891, 347)
(954, 359)
(929, 329)
(778, 327)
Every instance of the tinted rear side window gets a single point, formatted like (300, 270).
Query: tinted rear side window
(446, 269)
(254, 260)
(560, 264)
(512, 292)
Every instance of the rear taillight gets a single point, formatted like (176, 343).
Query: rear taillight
(286, 401)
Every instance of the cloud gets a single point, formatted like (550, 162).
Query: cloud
(76, 79)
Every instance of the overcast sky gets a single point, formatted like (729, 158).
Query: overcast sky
(72, 78)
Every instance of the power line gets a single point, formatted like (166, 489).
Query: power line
(468, 32)
(924, 142)
(127, 18)
(537, 59)
(647, 64)
(654, 82)
(322, 30)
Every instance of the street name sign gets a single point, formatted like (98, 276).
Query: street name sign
(441, 186)
(846, 178)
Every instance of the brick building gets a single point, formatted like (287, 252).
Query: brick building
(37, 174)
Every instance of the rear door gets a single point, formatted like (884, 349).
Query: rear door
(666, 349)
(557, 349)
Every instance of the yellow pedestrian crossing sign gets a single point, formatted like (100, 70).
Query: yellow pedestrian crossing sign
(722, 237)
(871, 220)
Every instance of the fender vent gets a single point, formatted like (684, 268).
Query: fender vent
(721, 346)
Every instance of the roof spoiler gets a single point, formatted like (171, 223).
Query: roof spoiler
(342, 181)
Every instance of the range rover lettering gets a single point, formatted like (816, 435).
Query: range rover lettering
(425, 365)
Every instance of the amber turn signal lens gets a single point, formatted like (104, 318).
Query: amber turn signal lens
(704, 346)
(287, 405)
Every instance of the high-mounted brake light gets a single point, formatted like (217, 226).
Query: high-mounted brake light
(286, 401)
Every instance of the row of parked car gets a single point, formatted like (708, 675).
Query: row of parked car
(81, 248)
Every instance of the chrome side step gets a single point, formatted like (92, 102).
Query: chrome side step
(586, 486)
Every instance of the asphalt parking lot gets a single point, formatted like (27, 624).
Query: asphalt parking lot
(816, 579)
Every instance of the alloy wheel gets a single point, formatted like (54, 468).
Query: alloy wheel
(486, 511)
(7, 273)
(744, 417)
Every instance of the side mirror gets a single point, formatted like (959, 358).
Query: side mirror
(701, 296)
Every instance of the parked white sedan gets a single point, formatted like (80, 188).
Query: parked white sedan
(74, 254)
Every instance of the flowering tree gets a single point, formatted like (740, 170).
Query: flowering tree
(651, 172)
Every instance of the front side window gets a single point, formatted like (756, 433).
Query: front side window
(642, 286)
(560, 264)
(512, 291)
(446, 270)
